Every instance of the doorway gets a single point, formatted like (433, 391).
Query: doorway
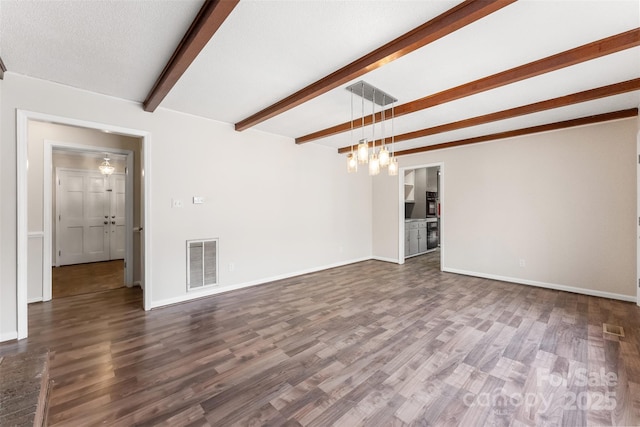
(78, 198)
(90, 212)
(35, 265)
(421, 196)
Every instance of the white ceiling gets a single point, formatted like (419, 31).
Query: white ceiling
(112, 47)
(266, 50)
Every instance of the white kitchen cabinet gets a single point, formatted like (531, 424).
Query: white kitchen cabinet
(413, 241)
(422, 236)
(415, 237)
(407, 247)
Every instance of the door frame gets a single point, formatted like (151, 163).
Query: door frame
(22, 138)
(401, 222)
(128, 245)
(637, 283)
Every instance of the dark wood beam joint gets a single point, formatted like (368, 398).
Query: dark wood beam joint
(209, 19)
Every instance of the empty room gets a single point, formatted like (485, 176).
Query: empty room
(320, 212)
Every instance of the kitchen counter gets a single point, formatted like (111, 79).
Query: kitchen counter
(431, 219)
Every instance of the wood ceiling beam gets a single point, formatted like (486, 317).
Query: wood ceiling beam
(3, 68)
(616, 115)
(463, 14)
(562, 101)
(209, 19)
(555, 62)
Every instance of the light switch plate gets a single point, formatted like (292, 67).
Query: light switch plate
(197, 200)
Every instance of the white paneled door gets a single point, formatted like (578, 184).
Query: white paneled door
(90, 217)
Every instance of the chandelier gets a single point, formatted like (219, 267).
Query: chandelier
(375, 158)
(105, 167)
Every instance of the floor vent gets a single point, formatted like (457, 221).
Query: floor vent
(613, 330)
(202, 263)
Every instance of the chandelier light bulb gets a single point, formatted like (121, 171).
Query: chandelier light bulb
(105, 167)
(352, 163)
(393, 166)
(383, 156)
(374, 165)
(363, 151)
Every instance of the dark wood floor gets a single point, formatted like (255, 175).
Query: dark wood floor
(372, 343)
(81, 279)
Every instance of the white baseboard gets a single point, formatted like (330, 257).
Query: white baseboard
(556, 287)
(36, 299)
(8, 336)
(385, 259)
(220, 289)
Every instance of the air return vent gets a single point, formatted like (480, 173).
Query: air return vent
(613, 330)
(202, 263)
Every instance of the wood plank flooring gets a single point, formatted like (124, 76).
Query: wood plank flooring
(80, 279)
(372, 343)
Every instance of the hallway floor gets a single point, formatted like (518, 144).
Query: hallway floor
(88, 278)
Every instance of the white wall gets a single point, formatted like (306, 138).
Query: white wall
(8, 294)
(278, 208)
(563, 201)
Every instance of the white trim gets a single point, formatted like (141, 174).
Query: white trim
(33, 235)
(553, 286)
(145, 238)
(385, 259)
(47, 245)
(8, 336)
(401, 210)
(637, 282)
(98, 156)
(220, 289)
(22, 119)
(128, 221)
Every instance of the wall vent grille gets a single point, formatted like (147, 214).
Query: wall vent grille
(202, 263)
(613, 330)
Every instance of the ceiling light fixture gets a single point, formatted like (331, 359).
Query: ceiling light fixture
(382, 157)
(383, 154)
(105, 167)
(393, 160)
(363, 145)
(352, 159)
(374, 162)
